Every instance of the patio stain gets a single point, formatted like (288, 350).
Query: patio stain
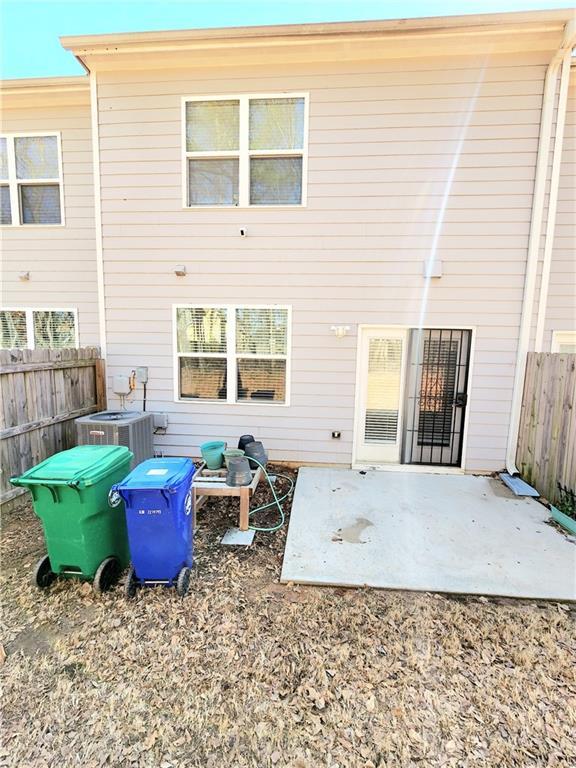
(351, 534)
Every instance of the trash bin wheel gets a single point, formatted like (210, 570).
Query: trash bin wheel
(107, 574)
(183, 581)
(130, 583)
(43, 574)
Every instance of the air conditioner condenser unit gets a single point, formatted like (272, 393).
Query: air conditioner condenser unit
(133, 429)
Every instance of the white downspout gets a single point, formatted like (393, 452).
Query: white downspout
(538, 202)
(553, 202)
(98, 212)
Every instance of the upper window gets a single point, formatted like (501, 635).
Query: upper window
(232, 354)
(564, 341)
(38, 328)
(245, 150)
(30, 180)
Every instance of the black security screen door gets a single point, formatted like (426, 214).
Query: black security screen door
(436, 401)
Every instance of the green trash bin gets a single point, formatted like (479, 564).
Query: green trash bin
(85, 537)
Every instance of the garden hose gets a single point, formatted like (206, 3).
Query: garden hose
(275, 503)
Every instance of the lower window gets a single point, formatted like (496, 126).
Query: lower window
(232, 354)
(564, 342)
(38, 328)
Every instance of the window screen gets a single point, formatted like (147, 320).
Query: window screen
(261, 332)
(201, 330)
(40, 203)
(201, 347)
(36, 157)
(13, 329)
(277, 123)
(5, 205)
(212, 126)
(54, 329)
(3, 158)
(203, 378)
(213, 182)
(275, 180)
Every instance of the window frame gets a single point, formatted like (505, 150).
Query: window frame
(231, 355)
(14, 183)
(562, 337)
(29, 312)
(244, 153)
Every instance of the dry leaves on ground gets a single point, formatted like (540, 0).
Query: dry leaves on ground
(247, 673)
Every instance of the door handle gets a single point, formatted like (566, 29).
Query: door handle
(461, 399)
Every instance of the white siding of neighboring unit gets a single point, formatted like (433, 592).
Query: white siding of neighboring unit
(561, 310)
(383, 138)
(61, 259)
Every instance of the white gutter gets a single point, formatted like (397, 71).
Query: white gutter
(553, 202)
(538, 203)
(98, 213)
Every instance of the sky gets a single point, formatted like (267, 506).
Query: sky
(30, 28)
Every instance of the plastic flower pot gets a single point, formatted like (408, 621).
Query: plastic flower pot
(255, 450)
(244, 440)
(566, 522)
(232, 453)
(213, 453)
(238, 472)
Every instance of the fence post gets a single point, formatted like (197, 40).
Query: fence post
(100, 379)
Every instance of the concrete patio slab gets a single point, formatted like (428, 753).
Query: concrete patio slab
(427, 532)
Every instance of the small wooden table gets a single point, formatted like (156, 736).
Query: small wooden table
(212, 482)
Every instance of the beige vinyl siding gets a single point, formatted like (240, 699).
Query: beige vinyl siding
(561, 310)
(61, 259)
(382, 139)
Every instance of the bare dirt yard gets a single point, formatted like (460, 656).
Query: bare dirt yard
(245, 671)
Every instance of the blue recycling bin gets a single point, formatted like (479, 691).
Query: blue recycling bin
(159, 519)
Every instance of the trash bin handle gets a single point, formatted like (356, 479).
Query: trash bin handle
(114, 497)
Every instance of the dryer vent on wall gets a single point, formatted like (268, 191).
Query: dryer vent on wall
(130, 428)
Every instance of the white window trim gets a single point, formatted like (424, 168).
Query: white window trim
(14, 182)
(231, 355)
(30, 343)
(244, 153)
(562, 337)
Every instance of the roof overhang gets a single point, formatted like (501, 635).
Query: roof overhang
(506, 32)
(33, 92)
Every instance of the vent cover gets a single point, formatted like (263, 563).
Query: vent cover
(132, 429)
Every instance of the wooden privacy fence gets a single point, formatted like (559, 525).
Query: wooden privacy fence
(546, 452)
(43, 391)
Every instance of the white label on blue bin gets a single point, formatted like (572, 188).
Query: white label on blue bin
(157, 472)
(188, 503)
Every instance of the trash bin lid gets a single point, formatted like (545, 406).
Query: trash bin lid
(85, 464)
(164, 473)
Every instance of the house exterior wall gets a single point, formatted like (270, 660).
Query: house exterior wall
(561, 307)
(61, 259)
(405, 157)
